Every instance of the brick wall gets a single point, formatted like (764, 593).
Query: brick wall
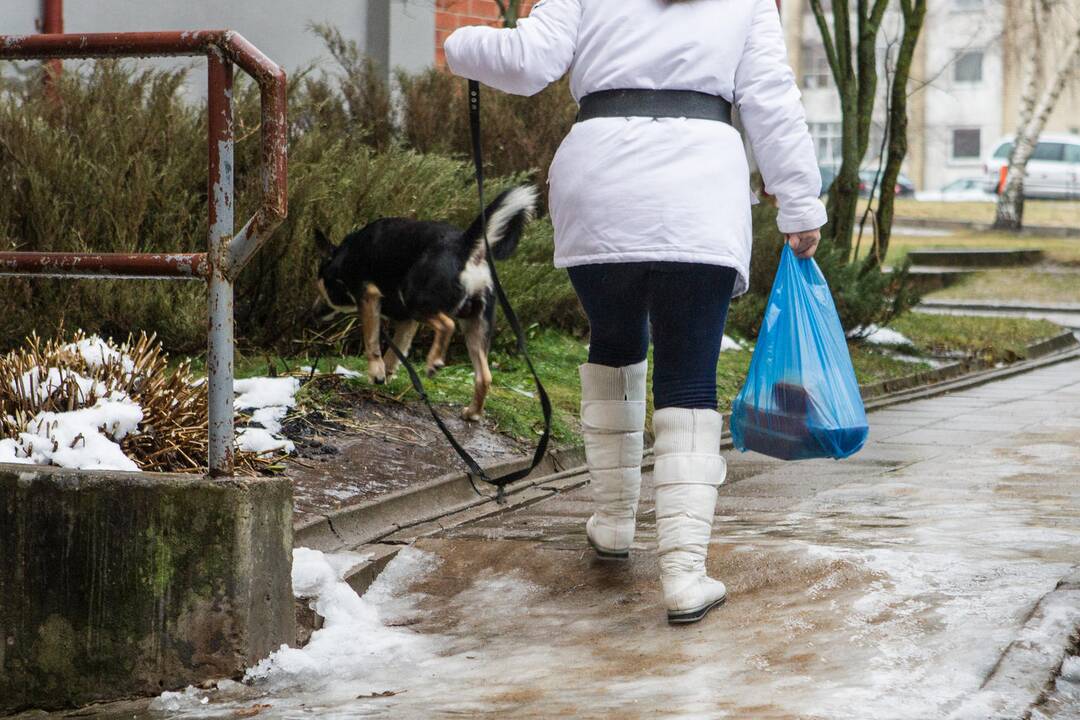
(452, 14)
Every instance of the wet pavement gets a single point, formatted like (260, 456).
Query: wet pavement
(386, 446)
(885, 586)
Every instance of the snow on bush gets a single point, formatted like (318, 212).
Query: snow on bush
(270, 400)
(95, 404)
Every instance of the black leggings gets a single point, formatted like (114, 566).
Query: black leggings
(687, 305)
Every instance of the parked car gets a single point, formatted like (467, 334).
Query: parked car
(828, 174)
(904, 186)
(970, 189)
(1053, 172)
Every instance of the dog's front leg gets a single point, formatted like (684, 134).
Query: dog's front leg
(404, 332)
(476, 340)
(370, 311)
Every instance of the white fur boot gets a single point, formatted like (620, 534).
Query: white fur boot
(688, 471)
(613, 423)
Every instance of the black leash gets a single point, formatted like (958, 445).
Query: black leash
(475, 471)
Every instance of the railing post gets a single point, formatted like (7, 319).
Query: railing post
(219, 356)
(52, 23)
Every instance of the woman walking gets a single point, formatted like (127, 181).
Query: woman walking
(651, 203)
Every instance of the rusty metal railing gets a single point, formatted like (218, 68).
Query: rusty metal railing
(226, 253)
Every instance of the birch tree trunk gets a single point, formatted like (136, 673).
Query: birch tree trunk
(914, 13)
(1033, 117)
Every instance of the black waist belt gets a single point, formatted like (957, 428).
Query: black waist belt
(654, 104)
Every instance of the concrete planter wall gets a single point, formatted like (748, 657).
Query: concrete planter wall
(120, 584)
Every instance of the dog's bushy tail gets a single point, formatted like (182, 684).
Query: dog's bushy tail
(506, 217)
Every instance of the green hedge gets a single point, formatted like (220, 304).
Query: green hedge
(116, 162)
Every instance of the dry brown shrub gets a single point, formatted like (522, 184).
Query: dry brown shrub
(172, 436)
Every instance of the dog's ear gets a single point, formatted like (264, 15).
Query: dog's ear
(323, 244)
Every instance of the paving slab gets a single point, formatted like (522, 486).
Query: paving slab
(943, 434)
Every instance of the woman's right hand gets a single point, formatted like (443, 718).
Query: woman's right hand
(804, 243)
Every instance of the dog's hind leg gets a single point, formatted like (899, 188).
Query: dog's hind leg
(476, 340)
(404, 332)
(370, 308)
(443, 325)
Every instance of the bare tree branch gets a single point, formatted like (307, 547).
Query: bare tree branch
(826, 37)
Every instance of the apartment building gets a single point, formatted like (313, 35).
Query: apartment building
(965, 85)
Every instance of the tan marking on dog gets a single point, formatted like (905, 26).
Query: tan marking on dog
(370, 318)
(443, 325)
(326, 296)
(476, 342)
(404, 332)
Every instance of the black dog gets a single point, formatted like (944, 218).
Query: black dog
(416, 271)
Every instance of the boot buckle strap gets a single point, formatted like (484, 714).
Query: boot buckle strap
(689, 469)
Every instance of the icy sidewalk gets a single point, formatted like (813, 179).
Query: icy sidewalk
(887, 586)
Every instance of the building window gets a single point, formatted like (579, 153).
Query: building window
(827, 143)
(966, 143)
(816, 72)
(968, 67)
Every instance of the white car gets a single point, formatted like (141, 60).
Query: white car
(1052, 172)
(972, 189)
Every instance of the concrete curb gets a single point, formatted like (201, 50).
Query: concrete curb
(366, 522)
(964, 369)
(1043, 230)
(970, 258)
(1025, 672)
(1000, 305)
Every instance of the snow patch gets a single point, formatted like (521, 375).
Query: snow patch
(12, 452)
(876, 335)
(730, 344)
(270, 417)
(85, 439)
(270, 400)
(262, 442)
(96, 352)
(186, 699)
(39, 384)
(261, 392)
(346, 372)
(354, 643)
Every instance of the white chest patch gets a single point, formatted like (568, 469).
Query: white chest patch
(475, 278)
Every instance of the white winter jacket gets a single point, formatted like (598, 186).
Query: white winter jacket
(643, 189)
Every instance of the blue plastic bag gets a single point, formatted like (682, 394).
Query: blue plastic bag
(801, 399)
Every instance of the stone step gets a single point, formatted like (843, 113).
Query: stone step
(973, 257)
(929, 278)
